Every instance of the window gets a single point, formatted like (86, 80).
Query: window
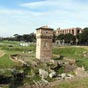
(46, 32)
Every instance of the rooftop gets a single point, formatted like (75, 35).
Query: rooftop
(45, 28)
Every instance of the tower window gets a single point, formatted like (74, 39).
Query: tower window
(46, 32)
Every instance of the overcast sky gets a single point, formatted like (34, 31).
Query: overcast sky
(24, 16)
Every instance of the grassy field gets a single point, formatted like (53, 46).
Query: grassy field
(9, 48)
(78, 83)
(5, 62)
(12, 47)
(71, 52)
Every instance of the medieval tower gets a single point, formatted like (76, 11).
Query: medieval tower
(44, 37)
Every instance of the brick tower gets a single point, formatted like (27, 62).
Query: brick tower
(44, 37)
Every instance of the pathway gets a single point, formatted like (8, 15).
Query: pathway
(2, 53)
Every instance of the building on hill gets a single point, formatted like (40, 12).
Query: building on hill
(73, 31)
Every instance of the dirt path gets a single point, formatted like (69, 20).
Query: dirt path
(76, 78)
(2, 53)
(56, 83)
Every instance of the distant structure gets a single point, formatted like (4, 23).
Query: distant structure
(44, 36)
(73, 31)
(24, 44)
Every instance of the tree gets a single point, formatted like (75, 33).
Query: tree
(83, 37)
(26, 37)
(17, 37)
(54, 37)
(32, 37)
(60, 37)
(69, 38)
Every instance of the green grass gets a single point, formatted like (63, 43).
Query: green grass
(5, 62)
(9, 42)
(73, 53)
(5, 87)
(67, 51)
(79, 83)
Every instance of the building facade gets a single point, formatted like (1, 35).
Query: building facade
(73, 31)
(44, 36)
